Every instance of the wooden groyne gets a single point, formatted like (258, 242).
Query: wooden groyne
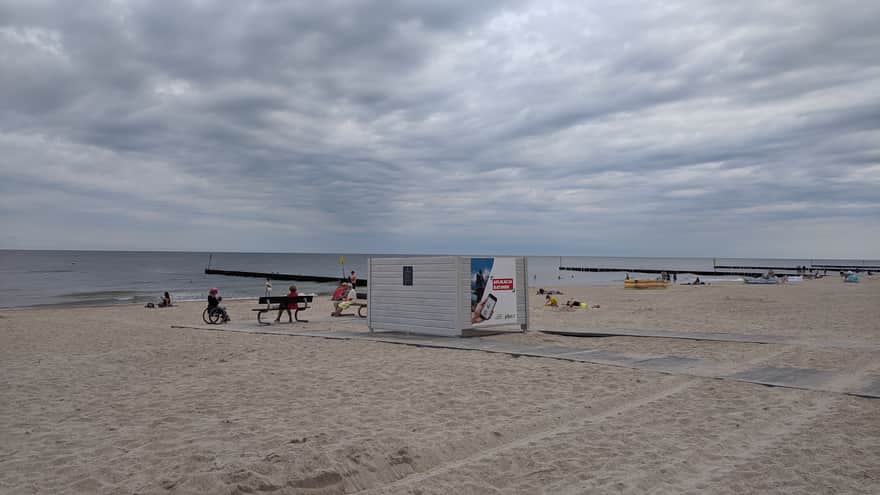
(737, 267)
(658, 271)
(855, 268)
(361, 282)
(811, 267)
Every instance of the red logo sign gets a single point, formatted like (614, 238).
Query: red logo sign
(502, 284)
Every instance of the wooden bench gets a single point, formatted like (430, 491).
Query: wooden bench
(361, 296)
(282, 302)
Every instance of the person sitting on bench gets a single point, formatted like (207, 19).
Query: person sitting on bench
(282, 308)
(339, 293)
(347, 300)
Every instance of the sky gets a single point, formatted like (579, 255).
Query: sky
(607, 128)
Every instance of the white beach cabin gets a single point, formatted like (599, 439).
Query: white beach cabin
(447, 295)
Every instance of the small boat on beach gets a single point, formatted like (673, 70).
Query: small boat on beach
(761, 281)
(633, 283)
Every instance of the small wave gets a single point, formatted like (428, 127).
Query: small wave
(88, 303)
(102, 294)
(106, 297)
(50, 271)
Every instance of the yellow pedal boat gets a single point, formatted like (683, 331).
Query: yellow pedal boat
(644, 284)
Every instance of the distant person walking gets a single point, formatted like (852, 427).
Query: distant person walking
(353, 278)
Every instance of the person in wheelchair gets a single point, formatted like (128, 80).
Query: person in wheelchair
(214, 307)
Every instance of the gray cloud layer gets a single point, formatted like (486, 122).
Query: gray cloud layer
(634, 128)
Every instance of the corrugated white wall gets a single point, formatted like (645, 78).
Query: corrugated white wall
(432, 305)
(464, 298)
(438, 302)
(522, 296)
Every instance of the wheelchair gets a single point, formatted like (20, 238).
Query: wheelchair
(215, 316)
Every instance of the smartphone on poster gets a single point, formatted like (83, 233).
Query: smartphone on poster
(489, 307)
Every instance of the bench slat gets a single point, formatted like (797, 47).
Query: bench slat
(285, 299)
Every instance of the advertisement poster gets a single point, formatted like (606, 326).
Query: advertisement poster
(493, 291)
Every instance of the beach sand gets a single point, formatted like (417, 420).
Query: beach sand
(115, 400)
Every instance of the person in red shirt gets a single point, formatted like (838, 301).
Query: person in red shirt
(339, 292)
(282, 309)
(347, 299)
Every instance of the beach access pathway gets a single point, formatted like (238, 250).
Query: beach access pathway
(861, 382)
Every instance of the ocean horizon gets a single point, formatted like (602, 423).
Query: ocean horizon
(96, 278)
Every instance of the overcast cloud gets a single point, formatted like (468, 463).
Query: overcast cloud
(551, 127)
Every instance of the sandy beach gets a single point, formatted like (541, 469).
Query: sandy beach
(120, 400)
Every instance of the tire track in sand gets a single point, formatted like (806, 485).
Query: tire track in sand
(739, 447)
(574, 420)
(680, 385)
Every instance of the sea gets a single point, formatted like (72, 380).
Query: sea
(97, 278)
